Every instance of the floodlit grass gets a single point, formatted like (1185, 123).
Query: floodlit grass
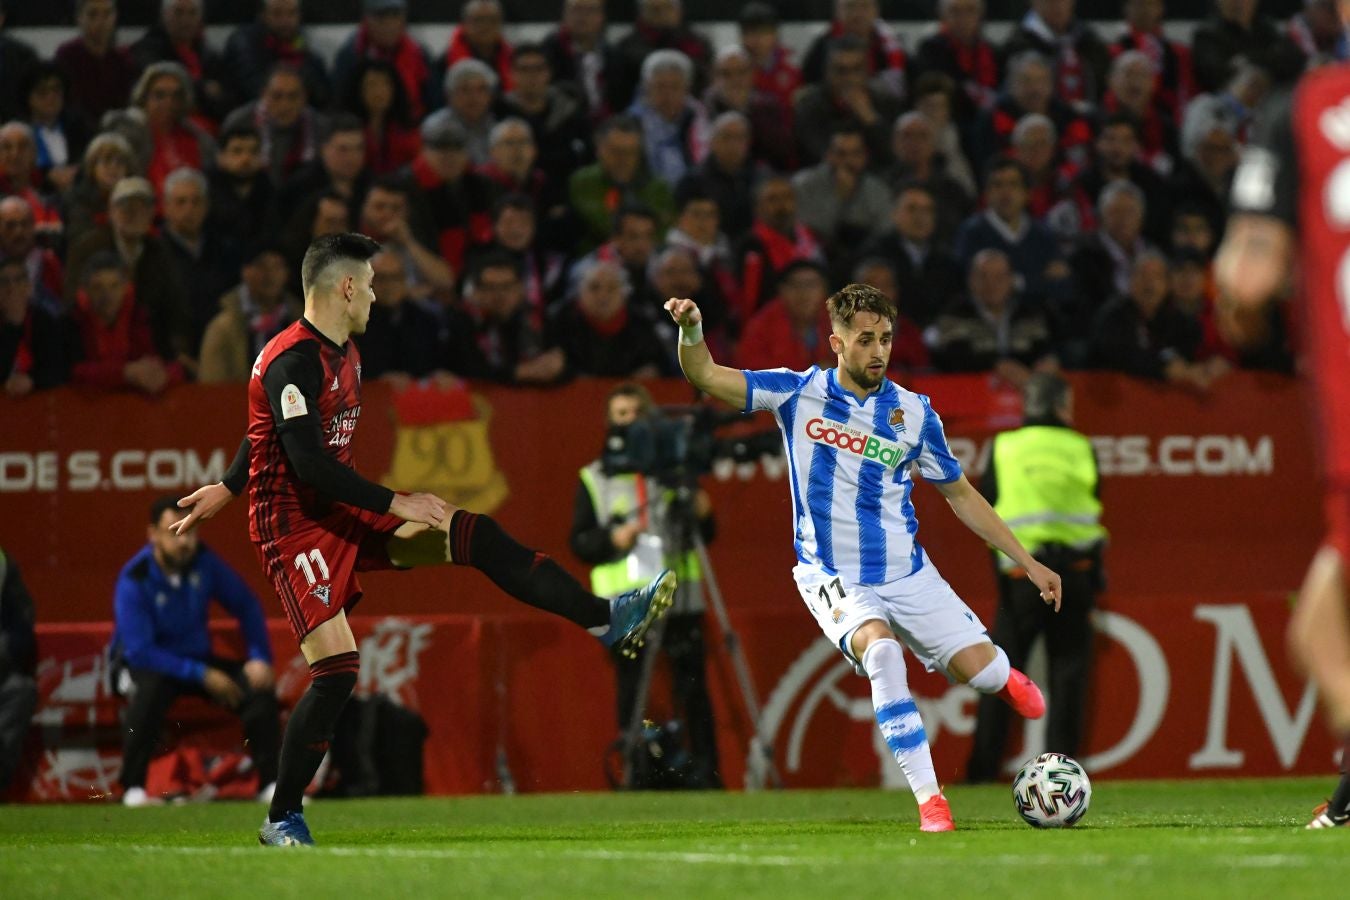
(1238, 838)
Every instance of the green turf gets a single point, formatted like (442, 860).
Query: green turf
(1239, 838)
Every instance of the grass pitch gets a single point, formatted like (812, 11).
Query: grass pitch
(1238, 838)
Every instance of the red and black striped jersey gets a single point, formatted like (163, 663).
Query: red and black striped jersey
(301, 382)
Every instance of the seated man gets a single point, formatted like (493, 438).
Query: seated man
(161, 648)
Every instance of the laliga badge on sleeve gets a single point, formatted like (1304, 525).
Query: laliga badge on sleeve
(292, 402)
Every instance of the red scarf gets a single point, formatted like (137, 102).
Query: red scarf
(779, 79)
(116, 341)
(501, 62)
(605, 329)
(190, 57)
(975, 60)
(885, 52)
(406, 58)
(173, 149)
(779, 250)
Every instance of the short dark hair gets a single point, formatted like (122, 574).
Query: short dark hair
(1044, 395)
(331, 249)
(496, 259)
(802, 265)
(633, 210)
(342, 122)
(852, 299)
(912, 184)
(846, 44)
(1003, 164)
(691, 191)
(238, 131)
(530, 49)
(393, 183)
(622, 122)
(757, 16)
(514, 200)
(631, 389)
(159, 505)
(101, 261)
(1120, 118)
(934, 83)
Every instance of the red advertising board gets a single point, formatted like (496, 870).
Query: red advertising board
(1212, 503)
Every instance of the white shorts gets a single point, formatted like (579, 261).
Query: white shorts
(922, 609)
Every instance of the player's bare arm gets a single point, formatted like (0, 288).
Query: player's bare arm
(976, 514)
(722, 382)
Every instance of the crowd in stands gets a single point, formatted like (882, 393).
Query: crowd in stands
(1050, 202)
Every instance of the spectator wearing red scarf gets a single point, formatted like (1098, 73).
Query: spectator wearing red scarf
(1031, 89)
(32, 339)
(178, 37)
(1133, 90)
(374, 94)
(660, 26)
(579, 55)
(959, 51)
(18, 240)
(164, 94)
(861, 19)
(116, 341)
(383, 36)
(776, 238)
(287, 125)
(20, 176)
(775, 75)
(455, 202)
(255, 49)
(1175, 83)
(793, 329)
(1079, 55)
(479, 36)
(600, 332)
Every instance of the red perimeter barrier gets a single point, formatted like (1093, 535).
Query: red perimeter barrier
(1211, 502)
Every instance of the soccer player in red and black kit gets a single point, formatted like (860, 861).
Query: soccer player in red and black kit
(315, 522)
(1292, 192)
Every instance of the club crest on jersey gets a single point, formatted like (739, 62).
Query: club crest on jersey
(897, 419)
(850, 440)
(838, 615)
(322, 592)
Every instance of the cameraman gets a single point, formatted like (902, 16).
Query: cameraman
(623, 522)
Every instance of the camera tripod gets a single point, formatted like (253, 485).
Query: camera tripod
(760, 768)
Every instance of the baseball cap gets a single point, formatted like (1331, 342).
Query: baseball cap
(376, 7)
(441, 132)
(132, 186)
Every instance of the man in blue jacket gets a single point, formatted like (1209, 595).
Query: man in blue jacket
(162, 648)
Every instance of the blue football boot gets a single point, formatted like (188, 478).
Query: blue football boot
(631, 614)
(289, 832)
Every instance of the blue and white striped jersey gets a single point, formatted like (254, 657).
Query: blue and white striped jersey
(849, 469)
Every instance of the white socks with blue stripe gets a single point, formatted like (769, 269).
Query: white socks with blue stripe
(898, 717)
(992, 678)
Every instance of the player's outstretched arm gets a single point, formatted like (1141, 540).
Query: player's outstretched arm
(722, 382)
(976, 514)
(209, 499)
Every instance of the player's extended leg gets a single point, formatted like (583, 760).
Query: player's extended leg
(985, 667)
(330, 650)
(478, 541)
(875, 645)
(1016, 626)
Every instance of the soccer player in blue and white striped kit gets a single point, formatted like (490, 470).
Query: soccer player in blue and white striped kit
(853, 438)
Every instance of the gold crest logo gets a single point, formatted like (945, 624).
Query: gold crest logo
(441, 447)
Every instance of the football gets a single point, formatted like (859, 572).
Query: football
(1052, 791)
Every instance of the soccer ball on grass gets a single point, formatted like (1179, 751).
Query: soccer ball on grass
(1052, 791)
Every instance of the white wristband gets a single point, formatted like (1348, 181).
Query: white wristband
(691, 334)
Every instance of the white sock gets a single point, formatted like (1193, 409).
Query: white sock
(898, 717)
(992, 678)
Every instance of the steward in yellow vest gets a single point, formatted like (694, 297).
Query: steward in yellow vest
(1042, 479)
